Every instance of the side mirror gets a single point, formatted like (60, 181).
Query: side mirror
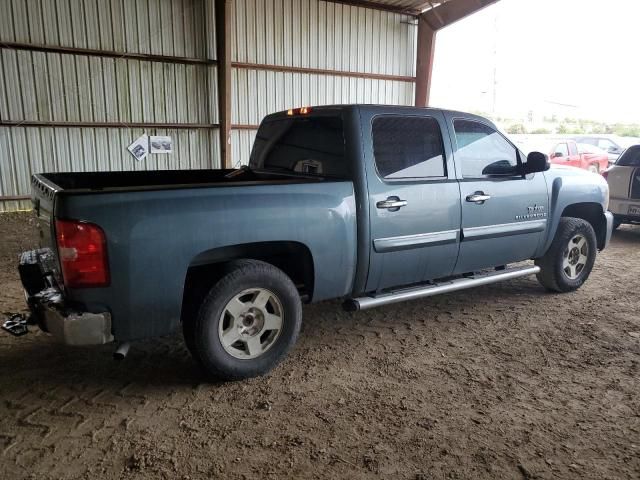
(614, 150)
(537, 162)
(557, 155)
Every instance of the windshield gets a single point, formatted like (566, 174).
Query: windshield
(301, 145)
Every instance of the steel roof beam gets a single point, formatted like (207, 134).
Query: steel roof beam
(429, 23)
(405, 10)
(450, 12)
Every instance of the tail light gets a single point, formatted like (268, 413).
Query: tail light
(82, 249)
(605, 173)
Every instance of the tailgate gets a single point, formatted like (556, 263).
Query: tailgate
(43, 196)
(619, 180)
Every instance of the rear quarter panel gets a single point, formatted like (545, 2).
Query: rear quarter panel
(153, 236)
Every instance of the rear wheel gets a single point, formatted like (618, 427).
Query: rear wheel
(248, 321)
(570, 258)
(594, 169)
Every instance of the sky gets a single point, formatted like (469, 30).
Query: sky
(577, 58)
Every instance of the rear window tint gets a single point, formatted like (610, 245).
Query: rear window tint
(630, 158)
(408, 147)
(303, 145)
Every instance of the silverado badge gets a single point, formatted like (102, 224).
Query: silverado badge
(533, 211)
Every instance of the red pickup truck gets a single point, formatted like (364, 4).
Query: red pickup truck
(581, 155)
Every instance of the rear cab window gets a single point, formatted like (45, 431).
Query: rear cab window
(483, 151)
(630, 158)
(306, 146)
(408, 147)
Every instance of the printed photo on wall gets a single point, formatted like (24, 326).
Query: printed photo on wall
(161, 144)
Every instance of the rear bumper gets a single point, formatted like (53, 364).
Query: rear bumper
(49, 311)
(69, 326)
(609, 231)
(620, 207)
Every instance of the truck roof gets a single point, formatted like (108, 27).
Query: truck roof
(397, 109)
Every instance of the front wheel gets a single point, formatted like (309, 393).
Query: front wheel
(248, 321)
(570, 258)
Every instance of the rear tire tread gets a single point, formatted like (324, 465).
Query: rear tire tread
(206, 345)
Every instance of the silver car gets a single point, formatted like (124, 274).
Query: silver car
(624, 187)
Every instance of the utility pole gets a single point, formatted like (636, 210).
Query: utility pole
(495, 66)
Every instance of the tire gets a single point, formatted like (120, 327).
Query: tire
(568, 263)
(594, 168)
(247, 323)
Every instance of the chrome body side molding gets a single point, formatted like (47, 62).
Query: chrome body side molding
(407, 242)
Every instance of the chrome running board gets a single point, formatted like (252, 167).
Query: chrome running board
(364, 303)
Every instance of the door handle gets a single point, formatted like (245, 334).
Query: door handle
(392, 203)
(478, 197)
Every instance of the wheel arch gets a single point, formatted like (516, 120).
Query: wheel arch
(592, 213)
(206, 268)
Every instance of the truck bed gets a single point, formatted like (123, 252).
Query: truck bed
(87, 182)
(159, 224)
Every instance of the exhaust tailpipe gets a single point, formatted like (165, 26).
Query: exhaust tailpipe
(121, 351)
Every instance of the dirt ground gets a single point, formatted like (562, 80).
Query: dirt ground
(505, 381)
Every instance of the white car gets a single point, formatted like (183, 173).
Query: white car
(624, 187)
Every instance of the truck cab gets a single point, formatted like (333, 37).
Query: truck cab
(440, 206)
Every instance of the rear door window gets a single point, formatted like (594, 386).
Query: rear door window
(408, 147)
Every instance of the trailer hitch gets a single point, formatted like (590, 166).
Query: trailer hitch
(16, 324)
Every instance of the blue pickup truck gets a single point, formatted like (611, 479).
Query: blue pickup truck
(370, 204)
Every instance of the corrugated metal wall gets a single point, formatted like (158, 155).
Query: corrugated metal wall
(319, 35)
(376, 48)
(40, 86)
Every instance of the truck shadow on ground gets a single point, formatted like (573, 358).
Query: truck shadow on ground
(627, 234)
(37, 361)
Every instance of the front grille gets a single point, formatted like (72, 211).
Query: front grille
(635, 183)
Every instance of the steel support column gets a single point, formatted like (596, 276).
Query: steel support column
(428, 25)
(424, 61)
(224, 11)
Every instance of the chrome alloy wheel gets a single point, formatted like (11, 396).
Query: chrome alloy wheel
(250, 323)
(575, 257)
